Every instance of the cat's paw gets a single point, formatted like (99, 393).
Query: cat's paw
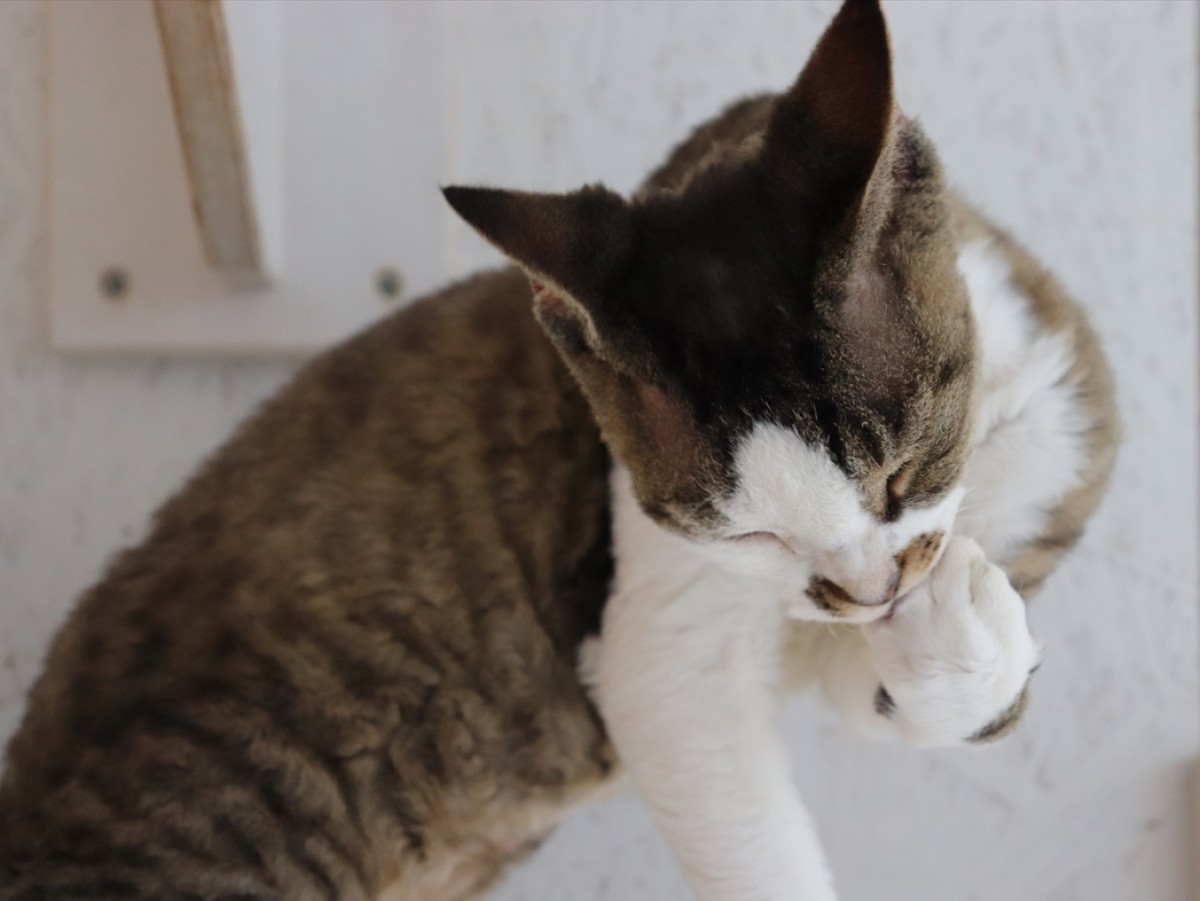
(955, 656)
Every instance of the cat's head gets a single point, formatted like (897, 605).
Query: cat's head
(780, 350)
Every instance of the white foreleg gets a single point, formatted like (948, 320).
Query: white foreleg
(686, 673)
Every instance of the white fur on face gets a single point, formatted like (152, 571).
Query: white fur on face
(805, 519)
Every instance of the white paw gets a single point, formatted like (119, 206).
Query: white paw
(956, 655)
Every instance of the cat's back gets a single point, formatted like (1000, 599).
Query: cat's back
(351, 637)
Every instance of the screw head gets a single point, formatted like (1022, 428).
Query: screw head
(389, 284)
(114, 283)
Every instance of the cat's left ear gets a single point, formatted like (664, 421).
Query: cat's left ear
(572, 247)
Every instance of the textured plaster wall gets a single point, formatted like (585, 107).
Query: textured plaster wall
(1074, 123)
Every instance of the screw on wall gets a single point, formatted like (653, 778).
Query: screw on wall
(389, 284)
(114, 283)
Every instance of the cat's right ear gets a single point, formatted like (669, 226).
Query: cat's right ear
(572, 247)
(829, 129)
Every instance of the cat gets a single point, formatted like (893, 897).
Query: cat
(474, 567)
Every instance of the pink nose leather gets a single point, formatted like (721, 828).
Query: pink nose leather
(888, 596)
(892, 589)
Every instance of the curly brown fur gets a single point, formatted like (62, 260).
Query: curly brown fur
(346, 651)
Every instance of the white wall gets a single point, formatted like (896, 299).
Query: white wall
(1073, 123)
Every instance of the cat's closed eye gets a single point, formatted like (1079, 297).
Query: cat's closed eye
(764, 539)
(892, 503)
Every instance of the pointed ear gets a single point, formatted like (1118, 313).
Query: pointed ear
(828, 131)
(571, 246)
(577, 241)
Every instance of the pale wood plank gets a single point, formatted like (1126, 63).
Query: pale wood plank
(196, 50)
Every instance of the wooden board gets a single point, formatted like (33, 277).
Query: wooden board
(345, 164)
(199, 68)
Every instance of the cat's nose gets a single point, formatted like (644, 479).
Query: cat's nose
(842, 597)
(889, 593)
(866, 575)
(894, 587)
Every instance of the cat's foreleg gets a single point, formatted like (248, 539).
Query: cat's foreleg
(950, 666)
(686, 682)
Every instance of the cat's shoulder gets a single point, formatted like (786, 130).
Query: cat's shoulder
(984, 244)
(1042, 369)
